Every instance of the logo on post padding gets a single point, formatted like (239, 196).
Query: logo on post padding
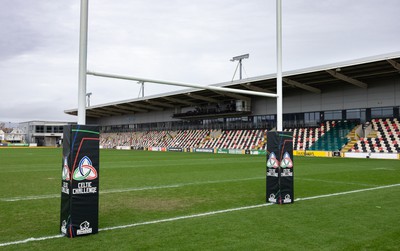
(64, 227)
(272, 161)
(84, 228)
(65, 171)
(85, 170)
(287, 199)
(286, 162)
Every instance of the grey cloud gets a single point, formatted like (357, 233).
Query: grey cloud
(188, 41)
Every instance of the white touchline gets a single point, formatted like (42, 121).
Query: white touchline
(185, 217)
(338, 182)
(133, 189)
(30, 240)
(173, 163)
(123, 190)
(348, 192)
(199, 215)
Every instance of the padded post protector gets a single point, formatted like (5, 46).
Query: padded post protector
(80, 181)
(280, 167)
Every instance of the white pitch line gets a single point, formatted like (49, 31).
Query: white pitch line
(349, 192)
(176, 185)
(33, 197)
(338, 182)
(173, 163)
(186, 217)
(200, 215)
(133, 189)
(30, 240)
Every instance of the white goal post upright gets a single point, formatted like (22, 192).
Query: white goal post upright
(83, 70)
(83, 34)
(279, 99)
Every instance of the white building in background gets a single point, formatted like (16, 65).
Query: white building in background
(2, 135)
(15, 136)
(43, 133)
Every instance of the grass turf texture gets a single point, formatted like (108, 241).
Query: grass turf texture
(138, 186)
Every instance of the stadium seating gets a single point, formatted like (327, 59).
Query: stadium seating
(188, 138)
(329, 136)
(230, 139)
(110, 140)
(237, 139)
(305, 137)
(385, 139)
(335, 137)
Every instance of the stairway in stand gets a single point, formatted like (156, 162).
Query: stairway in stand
(352, 140)
(335, 138)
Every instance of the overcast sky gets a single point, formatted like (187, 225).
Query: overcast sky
(178, 40)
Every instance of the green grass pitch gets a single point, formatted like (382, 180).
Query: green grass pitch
(147, 187)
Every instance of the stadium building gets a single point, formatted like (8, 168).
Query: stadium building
(43, 133)
(352, 107)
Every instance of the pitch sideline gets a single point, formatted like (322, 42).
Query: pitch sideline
(133, 189)
(200, 215)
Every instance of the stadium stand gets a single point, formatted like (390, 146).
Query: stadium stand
(351, 107)
(329, 136)
(188, 138)
(237, 139)
(305, 137)
(335, 137)
(385, 137)
(230, 139)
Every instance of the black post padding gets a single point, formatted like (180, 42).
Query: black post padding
(280, 167)
(80, 181)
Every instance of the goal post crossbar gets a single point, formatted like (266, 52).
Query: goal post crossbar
(83, 70)
(197, 86)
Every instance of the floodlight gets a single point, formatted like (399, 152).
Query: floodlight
(240, 57)
(88, 98)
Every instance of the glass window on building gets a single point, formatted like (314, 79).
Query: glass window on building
(39, 129)
(58, 129)
(382, 112)
(311, 118)
(264, 121)
(356, 114)
(353, 114)
(333, 115)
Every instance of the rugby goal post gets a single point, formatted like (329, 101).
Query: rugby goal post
(80, 166)
(83, 72)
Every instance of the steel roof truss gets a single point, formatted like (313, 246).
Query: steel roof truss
(196, 96)
(347, 79)
(255, 88)
(179, 101)
(151, 107)
(131, 108)
(160, 103)
(394, 64)
(233, 95)
(300, 85)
